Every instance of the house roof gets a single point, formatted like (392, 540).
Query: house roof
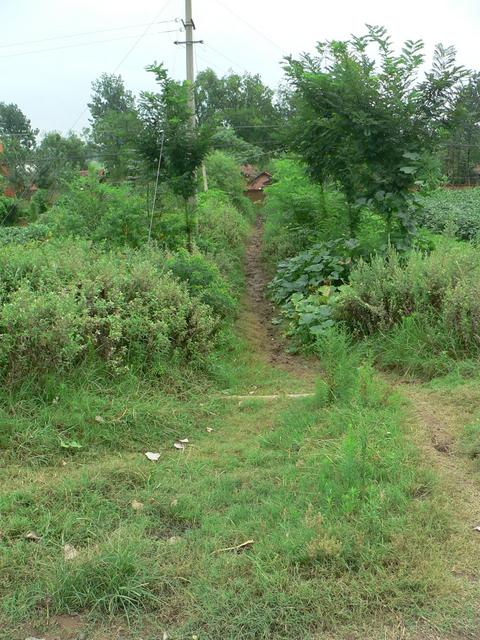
(260, 181)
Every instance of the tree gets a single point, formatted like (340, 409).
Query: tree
(225, 139)
(15, 125)
(242, 102)
(109, 94)
(115, 123)
(372, 126)
(57, 157)
(166, 120)
(19, 140)
(462, 144)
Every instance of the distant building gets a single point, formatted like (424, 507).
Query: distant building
(256, 185)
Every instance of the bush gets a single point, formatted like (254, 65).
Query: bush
(203, 280)
(21, 235)
(222, 233)
(62, 301)
(10, 211)
(224, 174)
(100, 212)
(305, 284)
(388, 288)
(452, 211)
(299, 212)
(422, 309)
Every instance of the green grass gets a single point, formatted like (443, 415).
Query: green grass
(348, 526)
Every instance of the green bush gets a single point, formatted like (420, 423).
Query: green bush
(299, 212)
(388, 288)
(222, 232)
(305, 284)
(224, 174)
(21, 235)
(100, 212)
(63, 300)
(452, 211)
(203, 280)
(422, 310)
(10, 210)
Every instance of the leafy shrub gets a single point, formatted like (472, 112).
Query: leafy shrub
(222, 233)
(62, 301)
(304, 286)
(452, 211)
(9, 210)
(388, 288)
(422, 309)
(100, 212)
(299, 212)
(21, 235)
(224, 174)
(203, 280)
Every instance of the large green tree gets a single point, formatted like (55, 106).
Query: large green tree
(242, 102)
(19, 140)
(167, 132)
(461, 152)
(115, 123)
(364, 118)
(58, 157)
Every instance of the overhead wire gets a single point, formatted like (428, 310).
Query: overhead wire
(124, 58)
(84, 33)
(252, 27)
(81, 44)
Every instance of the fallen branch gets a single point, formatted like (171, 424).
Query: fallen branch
(239, 547)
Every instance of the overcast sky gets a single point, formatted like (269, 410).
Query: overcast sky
(52, 87)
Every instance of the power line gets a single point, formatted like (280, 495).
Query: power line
(251, 26)
(81, 44)
(128, 54)
(84, 33)
(219, 53)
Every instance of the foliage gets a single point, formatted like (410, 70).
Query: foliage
(422, 309)
(115, 124)
(224, 175)
(109, 94)
(9, 210)
(222, 232)
(242, 102)
(62, 300)
(22, 235)
(305, 285)
(15, 124)
(203, 280)
(299, 211)
(369, 126)
(58, 158)
(225, 139)
(183, 147)
(461, 154)
(452, 212)
(100, 212)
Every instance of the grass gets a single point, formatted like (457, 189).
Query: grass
(350, 531)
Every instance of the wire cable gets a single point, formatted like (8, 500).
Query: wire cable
(81, 44)
(251, 26)
(84, 33)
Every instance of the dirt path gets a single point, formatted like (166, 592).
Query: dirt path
(437, 420)
(258, 313)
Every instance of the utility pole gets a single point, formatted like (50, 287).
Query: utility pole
(190, 27)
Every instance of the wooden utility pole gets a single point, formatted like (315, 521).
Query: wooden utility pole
(189, 43)
(190, 27)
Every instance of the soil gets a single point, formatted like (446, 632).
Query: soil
(259, 311)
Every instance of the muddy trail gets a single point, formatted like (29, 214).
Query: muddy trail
(264, 337)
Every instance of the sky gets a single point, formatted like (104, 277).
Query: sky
(50, 79)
